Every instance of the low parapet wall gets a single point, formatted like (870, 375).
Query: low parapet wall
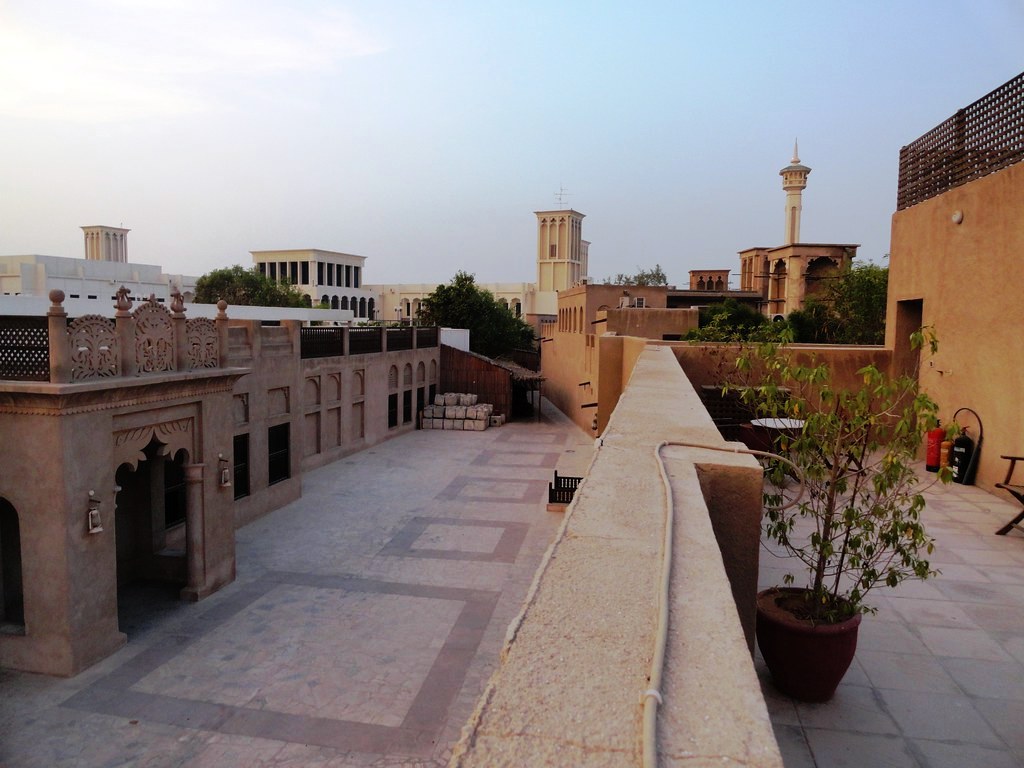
(575, 663)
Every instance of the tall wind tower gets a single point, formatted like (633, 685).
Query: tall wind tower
(794, 179)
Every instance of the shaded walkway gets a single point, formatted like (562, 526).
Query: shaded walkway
(364, 622)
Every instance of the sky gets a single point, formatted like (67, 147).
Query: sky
(423, 135)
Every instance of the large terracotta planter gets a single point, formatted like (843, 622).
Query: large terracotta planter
(806, 660)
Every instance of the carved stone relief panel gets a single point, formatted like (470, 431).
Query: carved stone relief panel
(95, 352)
(174, 435)
(154, 338)
(334, 387)
(358, 386)
(203, 346)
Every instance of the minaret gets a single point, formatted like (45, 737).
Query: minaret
(794, 179)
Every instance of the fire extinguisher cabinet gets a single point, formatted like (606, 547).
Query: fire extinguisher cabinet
(963, 459)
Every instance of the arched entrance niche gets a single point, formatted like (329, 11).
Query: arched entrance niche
(150, 517)
(159, 507)
(820, 272)
(12, 593)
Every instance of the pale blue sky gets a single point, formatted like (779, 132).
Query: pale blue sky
(423, 135)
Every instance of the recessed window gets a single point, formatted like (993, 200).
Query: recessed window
(278, 453)
(241, 473)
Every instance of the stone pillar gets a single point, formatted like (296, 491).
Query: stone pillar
(222, 333)
(345, 339)
(125, 327)
(195, 532)
(60, 347)
(180, 326)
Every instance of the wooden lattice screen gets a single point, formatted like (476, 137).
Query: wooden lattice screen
(978, 140)
(24, 349)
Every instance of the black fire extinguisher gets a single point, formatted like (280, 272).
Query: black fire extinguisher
(963, 460)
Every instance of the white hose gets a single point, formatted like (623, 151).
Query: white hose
(651, 698)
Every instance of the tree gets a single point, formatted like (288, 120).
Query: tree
(249, 287)
(850, 311)
(655, 276)
(732, 321)
(493, 330)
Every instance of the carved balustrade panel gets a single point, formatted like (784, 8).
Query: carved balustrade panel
(95, 352)
(154, 338)
(203, 346)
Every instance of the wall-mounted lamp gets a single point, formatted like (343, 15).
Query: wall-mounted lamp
(225, 471)
(94, 523)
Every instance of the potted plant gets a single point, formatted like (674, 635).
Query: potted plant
(857, 525)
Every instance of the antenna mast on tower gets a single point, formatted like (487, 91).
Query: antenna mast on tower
(560, 196)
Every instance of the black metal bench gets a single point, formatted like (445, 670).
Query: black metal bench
(1017, 491)
(562, 489)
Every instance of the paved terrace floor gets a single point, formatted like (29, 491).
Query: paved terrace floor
(364, 623)
(938, 679)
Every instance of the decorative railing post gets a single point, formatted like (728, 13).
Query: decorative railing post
(345, 338)
(383, 339)
(124, 325)
(60, 348)
(181, 361)
(222, 333)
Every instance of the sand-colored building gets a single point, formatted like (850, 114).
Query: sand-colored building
(957, 240)
(789, 274)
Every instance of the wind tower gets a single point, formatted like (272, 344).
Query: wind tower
(562, 253)
(106, 244)
(794, 179)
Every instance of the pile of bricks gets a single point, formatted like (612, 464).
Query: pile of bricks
(459, 412)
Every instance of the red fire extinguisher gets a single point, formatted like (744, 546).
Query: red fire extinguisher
(933, 454)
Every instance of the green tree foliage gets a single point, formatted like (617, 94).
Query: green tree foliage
(850, 311)
(493, 330)
(857, 524)
(731, 320)
(249, 287)
(655, 276)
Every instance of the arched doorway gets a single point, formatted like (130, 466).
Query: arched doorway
(150, 534)
(12, 593)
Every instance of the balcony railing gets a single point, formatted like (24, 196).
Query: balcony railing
(146, 339)
(978, 140)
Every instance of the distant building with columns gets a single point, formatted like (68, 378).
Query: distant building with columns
(789, 274)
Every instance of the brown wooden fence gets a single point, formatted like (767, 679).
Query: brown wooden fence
(978, 140)
(475, 375)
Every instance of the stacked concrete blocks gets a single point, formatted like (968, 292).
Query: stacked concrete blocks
(460, 413)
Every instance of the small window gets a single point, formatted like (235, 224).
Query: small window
(241, 473)
(278, 453)
(407, 406)
(553, 251)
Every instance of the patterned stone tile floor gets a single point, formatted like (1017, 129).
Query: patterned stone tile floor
(938, 679)
(364, 623)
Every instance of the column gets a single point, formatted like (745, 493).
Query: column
(195, 532)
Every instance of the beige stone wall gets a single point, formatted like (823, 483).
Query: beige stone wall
(568, 689)
(710, 363)
(964, 277)
(70, 439)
